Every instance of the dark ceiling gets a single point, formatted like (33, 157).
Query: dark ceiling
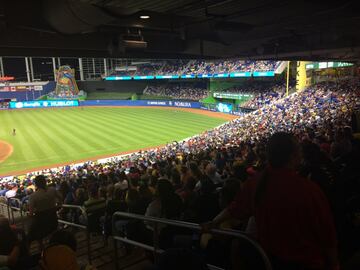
(278, 29)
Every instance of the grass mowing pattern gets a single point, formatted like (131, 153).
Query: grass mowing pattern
(49, 136)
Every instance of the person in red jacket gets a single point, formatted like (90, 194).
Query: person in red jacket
(293, 219)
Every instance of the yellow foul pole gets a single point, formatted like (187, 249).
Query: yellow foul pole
(287, 78)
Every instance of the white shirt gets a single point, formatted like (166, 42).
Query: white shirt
(11, 193)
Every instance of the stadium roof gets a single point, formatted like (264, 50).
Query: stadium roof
(257, 29)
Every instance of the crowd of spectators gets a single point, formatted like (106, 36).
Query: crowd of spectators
(228, 66)
(188, 91)
(195, 67)
(261, 93)
(286, 173)
(148, 69)
(173, 67)
(123, 73)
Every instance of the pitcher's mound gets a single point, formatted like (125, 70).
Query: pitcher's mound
(6, 150)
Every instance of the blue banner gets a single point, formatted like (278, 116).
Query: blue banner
(241, 74)
(263, 73)
(221, 75)
(167, 76)
(193, 76)
(188, 76)
(144, 77)
(165, 103)
(205, 75)
(43, 104)
(117, 78)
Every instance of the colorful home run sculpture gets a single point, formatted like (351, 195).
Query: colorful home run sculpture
(65, 82)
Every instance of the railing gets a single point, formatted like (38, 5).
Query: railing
(14, 205)
(196, 227)
(4, 207)
(72, 224)
(9, 206)
(76, 225)
(88, 227)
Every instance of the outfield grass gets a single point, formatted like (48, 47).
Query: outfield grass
(49, 136)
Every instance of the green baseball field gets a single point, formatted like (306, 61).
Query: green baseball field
(51, 137)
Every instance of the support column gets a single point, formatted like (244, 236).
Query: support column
(105, 68)
(27, 69)
(2, 72)
(54, 68)
(31, 69)
(81, 69)
(59, 63)
(111, 64)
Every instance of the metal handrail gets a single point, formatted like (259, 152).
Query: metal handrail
(81, 226)
(16, 208)
(183, 224)
(11, 208)
(4, 205)
(15, 200)
(73, 206)
(70, 206)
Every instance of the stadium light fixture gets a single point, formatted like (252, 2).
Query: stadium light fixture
(144, 17)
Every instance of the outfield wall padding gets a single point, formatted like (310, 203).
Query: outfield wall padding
(164, 103)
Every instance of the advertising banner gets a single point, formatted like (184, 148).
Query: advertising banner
(167, 76)
(231, 95)
(321, 65)
(118, 78)
(263, 73)
(221, 75)
(188, 76)
(43, 104)
(164, 103)
(241, 74)
(193, 76)
(205, 75)
(144, 77)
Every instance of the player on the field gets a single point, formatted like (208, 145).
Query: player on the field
(14, 132)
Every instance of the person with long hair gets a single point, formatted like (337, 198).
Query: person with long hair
(167, 203)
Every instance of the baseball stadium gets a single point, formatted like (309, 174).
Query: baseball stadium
(179, 135)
